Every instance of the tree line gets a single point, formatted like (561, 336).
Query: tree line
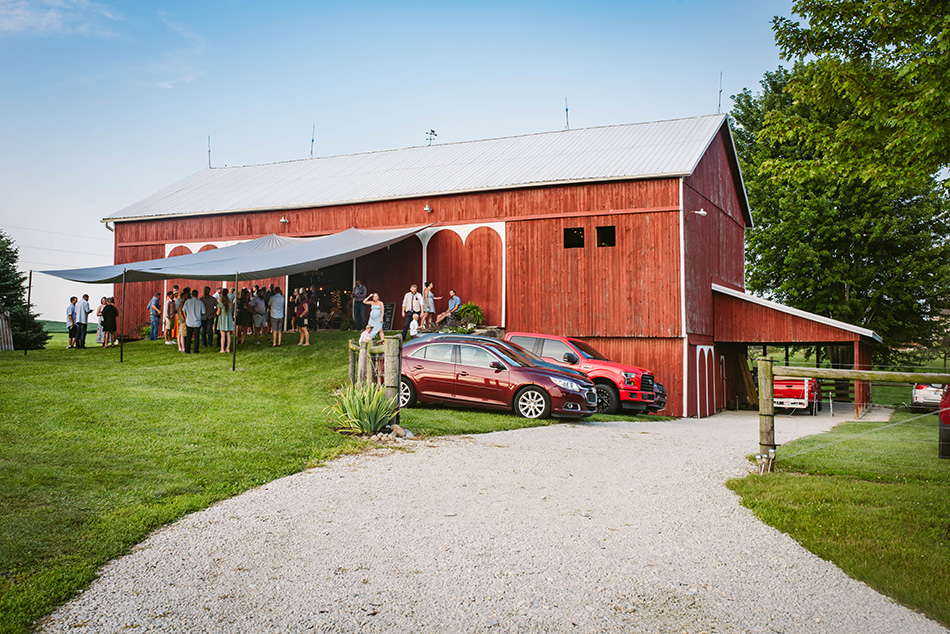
(844, 156)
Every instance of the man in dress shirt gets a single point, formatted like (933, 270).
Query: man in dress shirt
(411, 305)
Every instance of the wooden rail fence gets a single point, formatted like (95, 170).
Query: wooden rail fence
(766, 385)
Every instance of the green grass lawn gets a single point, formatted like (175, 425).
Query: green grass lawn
(874, 499)
(95, 454)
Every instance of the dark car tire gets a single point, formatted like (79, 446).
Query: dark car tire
(608, 399)
(407, 393)
(532, 402)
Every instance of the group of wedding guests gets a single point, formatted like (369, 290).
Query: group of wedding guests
(193, 318)
(418, 311)
(214, 319)
(107, 316)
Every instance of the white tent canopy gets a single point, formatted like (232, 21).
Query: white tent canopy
(269, 256)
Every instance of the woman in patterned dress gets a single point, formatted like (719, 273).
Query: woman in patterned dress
(225, 321)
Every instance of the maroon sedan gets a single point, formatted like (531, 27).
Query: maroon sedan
(484, 374)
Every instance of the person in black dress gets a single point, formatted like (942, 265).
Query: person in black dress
(110, 316)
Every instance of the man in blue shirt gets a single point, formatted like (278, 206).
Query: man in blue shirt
(194, 310)
(154, 315)
(453, 311)
(71, 320)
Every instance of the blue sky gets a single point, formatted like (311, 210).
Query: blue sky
(103, 103)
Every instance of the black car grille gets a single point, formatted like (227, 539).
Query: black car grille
(591, 396)
(646, 383)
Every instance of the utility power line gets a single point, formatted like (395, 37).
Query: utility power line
(59, 233)
(98, 255)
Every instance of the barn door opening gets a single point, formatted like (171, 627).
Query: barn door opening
(331, 286)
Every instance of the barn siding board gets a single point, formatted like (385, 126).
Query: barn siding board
(473, 268)
(445, 267)
(712, 242)
(481, 271)
(745, 322)
(448, 209)
(715, 178)
(138, 294)
(630, 291)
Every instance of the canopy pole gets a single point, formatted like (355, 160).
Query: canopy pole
(121, 336)
(29, 293)
(234, 324)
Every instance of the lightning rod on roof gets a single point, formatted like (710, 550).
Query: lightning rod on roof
(719, 107)
(313, 136)
(567, 121)
(431, 135)
(209, 151)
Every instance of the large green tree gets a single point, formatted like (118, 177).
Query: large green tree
(889, 61)
(866, 253)
(28, 333)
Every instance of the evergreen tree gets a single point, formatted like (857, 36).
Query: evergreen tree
(874, 255)
(28, 333)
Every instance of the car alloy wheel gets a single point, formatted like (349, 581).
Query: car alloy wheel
(407, 393)
(532, 402)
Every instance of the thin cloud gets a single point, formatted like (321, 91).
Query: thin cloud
(56, 17)
(178, 66)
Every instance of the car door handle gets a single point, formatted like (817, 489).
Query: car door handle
(463, 373)
(417, 367)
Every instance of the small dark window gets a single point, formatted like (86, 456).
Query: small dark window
(606, 236)
(574, 238)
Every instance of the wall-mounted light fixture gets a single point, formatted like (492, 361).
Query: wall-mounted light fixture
(698, 212)
(284, 221)
(427, 209)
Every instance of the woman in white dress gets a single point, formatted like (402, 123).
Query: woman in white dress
(376, 308)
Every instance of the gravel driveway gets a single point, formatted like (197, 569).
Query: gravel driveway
(597, 527)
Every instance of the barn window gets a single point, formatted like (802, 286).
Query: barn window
(606, 236)
(574, 238)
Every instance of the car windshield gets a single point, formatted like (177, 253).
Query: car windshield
(527, 353)
(513, 356)
(587, 351)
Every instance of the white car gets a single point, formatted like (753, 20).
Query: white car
(925, 396)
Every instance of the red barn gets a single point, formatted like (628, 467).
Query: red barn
(630, 237)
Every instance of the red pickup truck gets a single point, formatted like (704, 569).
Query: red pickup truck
(618, 385)
(797, 393)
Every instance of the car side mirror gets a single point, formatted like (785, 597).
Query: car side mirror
(497, 365)
(570, 357)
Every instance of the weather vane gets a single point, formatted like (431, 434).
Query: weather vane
(431, 135)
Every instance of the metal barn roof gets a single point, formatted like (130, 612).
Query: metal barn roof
(645, 150)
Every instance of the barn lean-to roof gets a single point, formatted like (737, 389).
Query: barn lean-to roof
(661, 149)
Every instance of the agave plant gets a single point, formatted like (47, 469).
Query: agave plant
(362, 409)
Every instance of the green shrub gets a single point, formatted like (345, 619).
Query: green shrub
(470, 313)
(347, 324)
(362, 409)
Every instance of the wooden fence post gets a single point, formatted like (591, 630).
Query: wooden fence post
(766, 408)
(369, 376)
(351, 370)
(363, 360)
(393, 372)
